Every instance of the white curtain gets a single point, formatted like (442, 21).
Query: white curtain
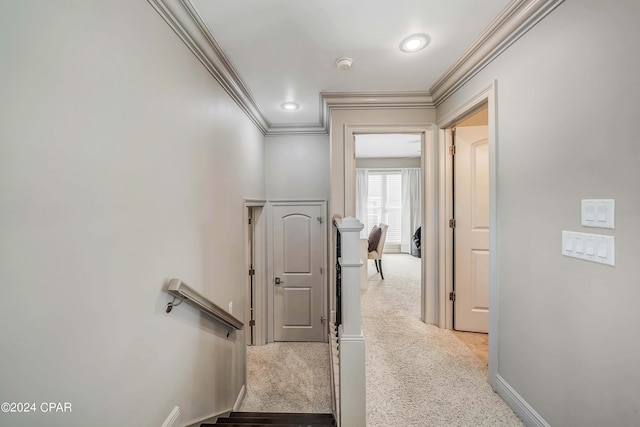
(411, 206)
(362, 193)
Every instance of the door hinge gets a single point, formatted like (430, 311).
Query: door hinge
(252, 272)
(452, 150)
(322, 319)
(452, 296)
(252, 323)
(320, 270)
(452, 223)
(250, 220)
(320, 220)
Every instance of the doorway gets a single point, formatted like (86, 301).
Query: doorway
(389, 193)
(255, 262)
(484, 99)
(298, 291)
(471, 251)
(429, 201)
(470, 225)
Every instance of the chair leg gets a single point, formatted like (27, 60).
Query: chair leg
(380, 264)
(375, 261)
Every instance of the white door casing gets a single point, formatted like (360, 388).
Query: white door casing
(298, 260)
(471, 211)
(429, 278)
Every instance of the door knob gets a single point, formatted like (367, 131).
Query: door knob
(278, 281)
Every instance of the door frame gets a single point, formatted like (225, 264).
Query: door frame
(270, 273)
(428, 166)
(259, 264)
(486, 97)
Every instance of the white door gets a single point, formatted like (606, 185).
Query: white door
(298, 279)
(471, 233)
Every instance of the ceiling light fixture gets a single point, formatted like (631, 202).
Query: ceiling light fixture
(344, 63)
(289, 106)
(414, 43)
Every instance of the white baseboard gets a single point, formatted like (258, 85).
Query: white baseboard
(240, 398)
(527, 414)
(208, 419)
(173, 419)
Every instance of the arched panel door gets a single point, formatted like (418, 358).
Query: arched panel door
(297, 263)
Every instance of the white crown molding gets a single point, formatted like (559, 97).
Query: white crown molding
(514, 21)
(295, 129)
(192, 30)
(364, 100)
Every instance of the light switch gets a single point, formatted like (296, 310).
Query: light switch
(598, 213)
(568, 244)
(602, 250)
(589, 250)
(579, 248)
(589, 247)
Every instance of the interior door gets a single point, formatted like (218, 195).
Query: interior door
(297, 263)
(471, 233)
(249, 330)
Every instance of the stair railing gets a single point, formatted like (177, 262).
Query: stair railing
(350, 382)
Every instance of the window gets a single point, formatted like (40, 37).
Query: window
(384, 202)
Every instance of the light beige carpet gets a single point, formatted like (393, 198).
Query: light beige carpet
(288, 377)
(417, 374)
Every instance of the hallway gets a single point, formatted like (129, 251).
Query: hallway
(417, 374)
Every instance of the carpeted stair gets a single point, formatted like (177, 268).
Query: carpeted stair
(274, 419)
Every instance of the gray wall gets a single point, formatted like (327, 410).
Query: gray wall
(297, 167)
(567, 108)
(122, 164)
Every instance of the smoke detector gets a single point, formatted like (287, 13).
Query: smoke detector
(344, 63)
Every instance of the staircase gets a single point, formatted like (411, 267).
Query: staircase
(274, 419)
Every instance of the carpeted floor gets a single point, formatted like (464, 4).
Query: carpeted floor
(288, 377)
(417, 375)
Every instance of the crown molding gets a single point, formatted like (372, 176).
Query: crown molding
(370, 100)
(296, 129)
(509, 26)
(514, 21)
(193, 31)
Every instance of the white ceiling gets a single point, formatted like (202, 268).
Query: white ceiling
(388, 146)
(285, 50)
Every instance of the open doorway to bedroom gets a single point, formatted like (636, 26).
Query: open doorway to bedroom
(467, 139)
(388, 170)
(471, 189)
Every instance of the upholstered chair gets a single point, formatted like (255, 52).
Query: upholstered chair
(375, 250)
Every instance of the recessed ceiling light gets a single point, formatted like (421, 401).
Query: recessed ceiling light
(289, 106)
(414, 43)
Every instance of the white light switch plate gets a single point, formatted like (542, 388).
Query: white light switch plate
(598, 213)
(589, 247)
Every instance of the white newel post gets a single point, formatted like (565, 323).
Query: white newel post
(352, 345)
